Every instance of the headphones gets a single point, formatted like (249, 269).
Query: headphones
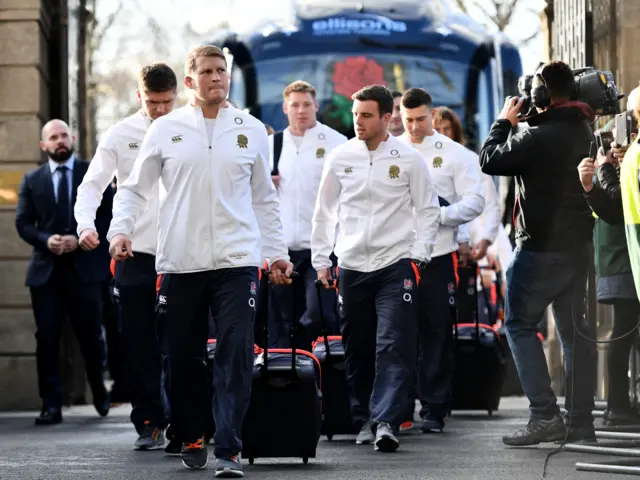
(539, 92)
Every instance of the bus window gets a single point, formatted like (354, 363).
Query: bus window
(337, 76)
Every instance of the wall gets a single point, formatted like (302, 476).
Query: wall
(26, 77)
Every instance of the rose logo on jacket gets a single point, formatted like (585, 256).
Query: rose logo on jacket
(320, 152)
(437, 162)
(243, 141)
(394, 171)
(408, 284)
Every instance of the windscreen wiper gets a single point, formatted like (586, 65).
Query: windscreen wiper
(395, 46)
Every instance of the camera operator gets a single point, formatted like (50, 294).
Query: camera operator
(554, 229)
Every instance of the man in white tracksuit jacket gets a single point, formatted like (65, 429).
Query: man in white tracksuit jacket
(296, 165)
(456, 180)
(135, 288)
(219, 220)
(371, 186)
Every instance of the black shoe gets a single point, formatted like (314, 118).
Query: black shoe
(194, 455)
(614, 418)
(151, 438)
(581, 434)
(102, 402)
(49, 416)
(173, 448)
(432, 424)
(537, 431)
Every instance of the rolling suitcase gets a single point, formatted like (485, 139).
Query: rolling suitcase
(329, 351)
(285, 413)
(479, 357)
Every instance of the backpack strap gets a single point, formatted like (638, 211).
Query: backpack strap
(277, 151)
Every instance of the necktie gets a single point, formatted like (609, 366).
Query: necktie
(63, 206)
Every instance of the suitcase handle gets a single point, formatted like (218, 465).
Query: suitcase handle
(323, 321)
(472, 266)
(265, 328)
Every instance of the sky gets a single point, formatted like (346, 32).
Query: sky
(205, 14)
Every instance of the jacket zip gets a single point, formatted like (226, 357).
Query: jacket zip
(367, 259)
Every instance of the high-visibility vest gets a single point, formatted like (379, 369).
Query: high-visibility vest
(630, 189)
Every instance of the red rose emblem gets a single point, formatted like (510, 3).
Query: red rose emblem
(355, 73)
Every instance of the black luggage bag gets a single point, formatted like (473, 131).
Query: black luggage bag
(336, 406)
(285, 413)
(479, 356)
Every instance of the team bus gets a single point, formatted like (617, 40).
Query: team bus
(340, 46)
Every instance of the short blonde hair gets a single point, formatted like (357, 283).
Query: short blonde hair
(199, 52)
(299, 86)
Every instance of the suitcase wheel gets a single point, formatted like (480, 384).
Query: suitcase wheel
(251, 461)
(329, 437)
(305, 460)
(490, 412)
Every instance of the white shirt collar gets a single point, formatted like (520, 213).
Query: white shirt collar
(69, 164)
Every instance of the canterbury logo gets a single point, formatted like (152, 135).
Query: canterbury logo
(176, 139)
(133, 146)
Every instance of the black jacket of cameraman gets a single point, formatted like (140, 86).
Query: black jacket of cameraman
(550, 212)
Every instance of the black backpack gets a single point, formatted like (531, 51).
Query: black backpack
(277, 151)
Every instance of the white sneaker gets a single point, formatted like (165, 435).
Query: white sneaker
(386, 441)
(366, 436)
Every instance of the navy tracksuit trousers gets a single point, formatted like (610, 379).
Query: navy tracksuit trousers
(377, 320)
(231, 294)
(436, 317)
(135, 294)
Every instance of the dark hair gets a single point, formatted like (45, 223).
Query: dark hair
(377, 93)
(396, 94)
(157, 77)
(416, 97)
(559, 79)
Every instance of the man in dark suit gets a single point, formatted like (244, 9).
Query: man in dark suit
(63, 279)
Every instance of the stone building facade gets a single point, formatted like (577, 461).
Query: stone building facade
(33, 89)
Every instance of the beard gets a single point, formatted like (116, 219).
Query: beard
(60, 155)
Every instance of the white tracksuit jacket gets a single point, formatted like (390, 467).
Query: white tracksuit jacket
(221, 208)
(456, 179)
(383, 203)
(300, 171)
(115, 156)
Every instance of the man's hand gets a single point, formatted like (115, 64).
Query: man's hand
(494, 263)
(618, 151)
(55, 244)
(586, 171)
(276, 180)
(89, 240)
(511, 109)
(324, 274)
(480, 249)
(281, 271)
(465, 253)
(70, 243)
(120, 247)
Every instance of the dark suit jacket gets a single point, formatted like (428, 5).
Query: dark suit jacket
(35, 222)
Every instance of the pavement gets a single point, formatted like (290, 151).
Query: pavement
(86, 447)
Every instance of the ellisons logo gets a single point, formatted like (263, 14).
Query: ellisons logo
(366, 25)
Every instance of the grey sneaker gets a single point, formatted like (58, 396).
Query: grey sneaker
(194, 455)
(229, 468)
(386, 441)
(366, 436)
(537, 431)
(151, 438)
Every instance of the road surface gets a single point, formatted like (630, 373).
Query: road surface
(86, 447)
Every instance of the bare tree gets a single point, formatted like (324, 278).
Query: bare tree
(96, 32)
(500, 13)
